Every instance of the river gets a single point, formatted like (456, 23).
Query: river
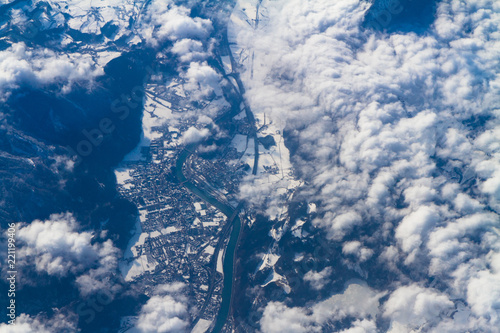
(233, 220)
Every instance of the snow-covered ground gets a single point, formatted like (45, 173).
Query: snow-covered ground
(137, 267)
(242, 21)
(201, 326)
(129, 267)
(226, 61)
(275, 172)
(240, 142)
(220, 260)
(209, 249)
(123, 177)
(90, 16)
(169, 230)
(268, 260)
(156, 113)
(279, 280)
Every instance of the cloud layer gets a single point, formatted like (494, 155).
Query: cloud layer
(397, 139)
(357, 301)
(166, 21)
(57, 248)
(21, 65)
(166, 311)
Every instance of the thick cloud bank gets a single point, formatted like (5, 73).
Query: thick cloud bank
(166, 311)
(357, 301)
(21, 65)
(165, 21)
(397, 137)
(57, 248)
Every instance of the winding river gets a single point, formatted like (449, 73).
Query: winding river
(233, 225)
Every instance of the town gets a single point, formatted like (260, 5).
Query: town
(179, 236)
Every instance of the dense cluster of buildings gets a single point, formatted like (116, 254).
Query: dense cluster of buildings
(180, 237)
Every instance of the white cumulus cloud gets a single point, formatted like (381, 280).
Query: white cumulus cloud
(396, 139)
(21, 65)
(57, 247)
(166, 311)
